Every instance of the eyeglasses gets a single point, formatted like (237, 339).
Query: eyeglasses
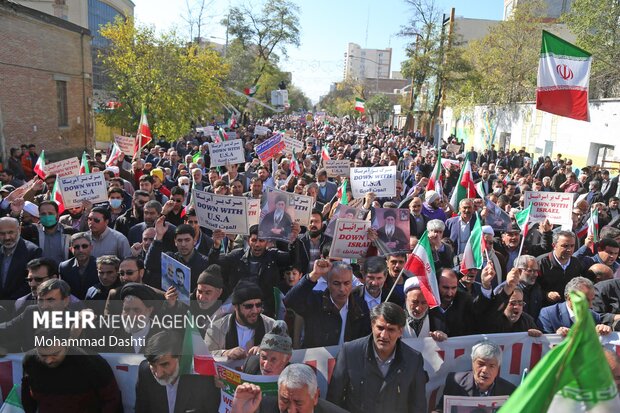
(250, 306)
(81, 246)
(516, 303)
(36, 279)
(95, 220)
(128, 272)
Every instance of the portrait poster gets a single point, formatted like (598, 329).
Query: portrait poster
(344, 211)
(392, 225)
(175, 274)
(277, 216)
(465, 404)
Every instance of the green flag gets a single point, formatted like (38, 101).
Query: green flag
(13, 402)
(573, 377)
(196, 156)
(343, 193)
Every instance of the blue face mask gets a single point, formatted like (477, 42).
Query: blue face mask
(116, 203)
(48, 220)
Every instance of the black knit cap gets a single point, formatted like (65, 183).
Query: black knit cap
(244, 291)
(212, 276)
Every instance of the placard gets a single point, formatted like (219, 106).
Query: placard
(66, 167)
(557, 207)
(126, 144)
(77, 189)
(228, 213)
(174, 274)
(261, 130)
(226, 152)
(231, 135)
(350, 239)
(467, 404)
(232, 378)
(343, 211)
(381, 180)
(292, 144)
(269, 148)
(253, 211)
(392, 225)
(337, 167)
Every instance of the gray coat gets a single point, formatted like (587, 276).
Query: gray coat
(358, 386)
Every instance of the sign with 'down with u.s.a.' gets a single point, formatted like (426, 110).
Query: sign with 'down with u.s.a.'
(77, 189)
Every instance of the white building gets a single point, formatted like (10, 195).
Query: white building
(362, 63)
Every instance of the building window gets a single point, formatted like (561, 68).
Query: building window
(61, 103)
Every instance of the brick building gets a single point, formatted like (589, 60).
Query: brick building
(45, 82)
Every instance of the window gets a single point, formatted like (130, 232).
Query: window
(61, 103)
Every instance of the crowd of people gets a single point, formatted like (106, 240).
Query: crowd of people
(105, 259)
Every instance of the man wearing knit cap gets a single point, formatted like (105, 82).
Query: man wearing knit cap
(236, 335)
(276, 350)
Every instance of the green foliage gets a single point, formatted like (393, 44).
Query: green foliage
(378, 107)
(176, 82)
(500, 68)
(596, 23)
(341, 100)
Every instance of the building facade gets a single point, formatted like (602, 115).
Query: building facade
(45, 82)
(360, 63)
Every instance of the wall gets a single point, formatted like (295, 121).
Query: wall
(539, 132)
(37, 50)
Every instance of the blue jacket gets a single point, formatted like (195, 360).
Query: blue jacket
(555, 316)
(453, 228)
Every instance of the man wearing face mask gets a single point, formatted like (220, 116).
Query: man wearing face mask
(116, 205)
(327, 190)
(53, 238)
(183, 182)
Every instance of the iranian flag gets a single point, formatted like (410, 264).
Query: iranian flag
(359, 104)
(195, 357)
(472, 256)
(84, 169)
(342, 193)
(563, 78)
(295, 168)
(591, 228)
(420, 264)
(57, 197)
(114, 156)
(572, 377)
(39, 167)
(250, 91)
(232, 122)
(434, 182)
(325, 153)
(465, 187)
(221, 136)
(143, 137)
(523, 219)
(13, 402)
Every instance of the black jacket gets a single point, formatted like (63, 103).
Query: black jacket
(79, 283)
(322, 319)
(195, 393)
(197, 264)
(553, 278)
(358, 385)
(15, 285)
(300, 250)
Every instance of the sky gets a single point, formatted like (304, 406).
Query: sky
(327, 26)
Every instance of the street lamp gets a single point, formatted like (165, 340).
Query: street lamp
(370, 60)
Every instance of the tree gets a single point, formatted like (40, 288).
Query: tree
(195, 17)
(501, 67)
(596, 23)
(425, 54)
(341, 100)
(177, 82)
(265, 33)
(378, 105)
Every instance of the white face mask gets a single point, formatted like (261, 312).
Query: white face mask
(185, 188)
(322, 184)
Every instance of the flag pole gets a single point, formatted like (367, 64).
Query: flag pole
(400, 274)
(521, 247)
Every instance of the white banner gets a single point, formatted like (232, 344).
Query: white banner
(292, 144)
(261, 130)
(350, 239)
(337, 167)
(381, 180)
(227, 152)
(228, 213)
(66, 167)
(77, 189)
(440, 358)
(557, 207)
(126, 144)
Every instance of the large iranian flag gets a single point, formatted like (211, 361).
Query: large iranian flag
(196, 358)
(420, 264)
(434, 182)
(573, 377)
(465, 187)
(472, 256)
(563, 78)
